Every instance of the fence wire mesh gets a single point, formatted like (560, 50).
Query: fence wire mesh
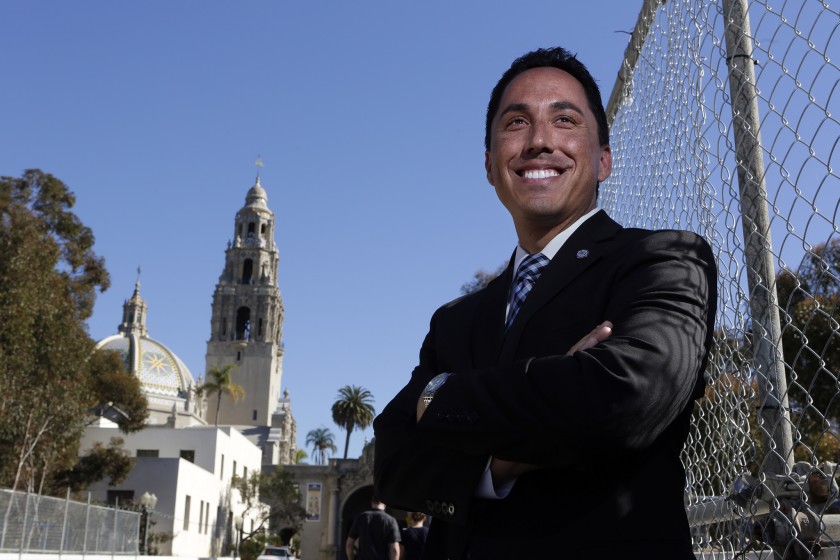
(724, 121)
(34, 523)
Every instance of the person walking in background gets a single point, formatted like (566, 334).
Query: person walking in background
(375, 534)
(413, 536)
(549, 409)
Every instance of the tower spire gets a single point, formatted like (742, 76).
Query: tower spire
(134, 312)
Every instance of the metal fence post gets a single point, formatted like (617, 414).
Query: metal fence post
(64, 523)
(87, 526)
(766, 330)
(25, 521)
(631, 56)
(114, 532)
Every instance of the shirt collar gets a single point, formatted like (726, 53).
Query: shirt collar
(556, 243)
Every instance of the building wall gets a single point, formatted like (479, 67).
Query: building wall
(171, 478)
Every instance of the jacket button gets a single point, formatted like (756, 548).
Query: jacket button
(440, 416)
(451, 509)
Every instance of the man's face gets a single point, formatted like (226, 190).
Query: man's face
(545, 159)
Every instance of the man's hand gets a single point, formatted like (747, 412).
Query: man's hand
(598, 334)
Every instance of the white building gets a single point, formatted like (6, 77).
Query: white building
(189, 470)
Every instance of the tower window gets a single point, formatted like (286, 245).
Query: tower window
(254, 415)
(247, 271)
(260, 328)
(263, 229)
(243, 323)
(224, 329)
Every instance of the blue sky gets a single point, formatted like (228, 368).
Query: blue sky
(369, 118)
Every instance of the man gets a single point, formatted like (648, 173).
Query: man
(377, 533)
(549, 423)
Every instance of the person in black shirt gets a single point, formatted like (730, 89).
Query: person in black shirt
(376, 533)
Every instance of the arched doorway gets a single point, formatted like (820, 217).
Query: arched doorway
(356, 503)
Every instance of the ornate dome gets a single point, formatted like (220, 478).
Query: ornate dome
(161, 372)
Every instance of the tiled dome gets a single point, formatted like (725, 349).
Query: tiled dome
(161, 372)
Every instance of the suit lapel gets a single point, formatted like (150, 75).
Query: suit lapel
(583, 249)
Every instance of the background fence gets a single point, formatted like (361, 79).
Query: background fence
(724, 121)
(33, 523)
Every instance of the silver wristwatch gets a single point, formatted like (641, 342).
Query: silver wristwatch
(433, 386)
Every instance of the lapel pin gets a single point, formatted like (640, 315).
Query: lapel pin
(583, 253)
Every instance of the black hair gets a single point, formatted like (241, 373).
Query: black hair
(556, 57)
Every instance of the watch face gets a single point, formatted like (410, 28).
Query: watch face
(436, 382)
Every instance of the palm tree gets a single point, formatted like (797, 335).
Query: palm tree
(300, 457)
(221, 383)
(353, 409)
(321, 439)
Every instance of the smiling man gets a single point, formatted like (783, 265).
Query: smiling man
(548, 410)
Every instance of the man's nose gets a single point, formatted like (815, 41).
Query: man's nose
(540, 139)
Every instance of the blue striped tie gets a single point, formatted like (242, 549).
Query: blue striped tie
(527, 273)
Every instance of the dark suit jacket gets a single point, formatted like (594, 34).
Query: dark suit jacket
(609, 422)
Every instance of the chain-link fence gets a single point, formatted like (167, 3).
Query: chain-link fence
(724, 121)
(33, 523)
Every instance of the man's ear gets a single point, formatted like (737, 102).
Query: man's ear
(605, 163)
(488, 166)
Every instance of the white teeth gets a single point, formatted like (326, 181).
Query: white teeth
(539, 173)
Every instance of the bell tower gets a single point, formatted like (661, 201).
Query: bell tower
(247, 319)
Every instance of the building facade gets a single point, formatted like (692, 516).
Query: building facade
(186, 463)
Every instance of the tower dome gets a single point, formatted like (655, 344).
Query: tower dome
(256, 195)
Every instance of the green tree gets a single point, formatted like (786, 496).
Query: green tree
(98, 463)
(115, 388)
(321, 440)
(221, 383)
(353, 409)
(300, 457)
(810, 315)
(274, 499)
(49, 275)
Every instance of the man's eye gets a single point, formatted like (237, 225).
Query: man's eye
(565, 119)
(516, 121)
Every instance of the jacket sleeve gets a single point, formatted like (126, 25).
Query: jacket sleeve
(619, 395)
(411, 471)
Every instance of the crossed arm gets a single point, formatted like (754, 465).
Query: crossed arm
(504, 471)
